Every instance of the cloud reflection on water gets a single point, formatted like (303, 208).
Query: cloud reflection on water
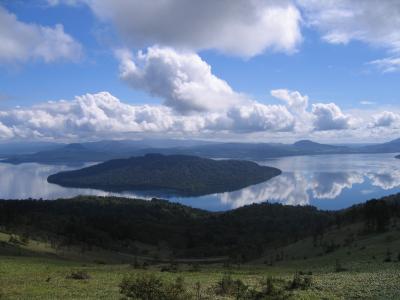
(305, 180)
(299, 188)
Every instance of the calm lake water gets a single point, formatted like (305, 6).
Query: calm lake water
(325, 181)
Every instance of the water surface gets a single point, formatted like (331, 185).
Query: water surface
(325, 181)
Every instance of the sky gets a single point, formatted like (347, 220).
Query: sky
(242, 70)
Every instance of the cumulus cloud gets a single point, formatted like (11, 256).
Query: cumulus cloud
(22, 41)
(259, 117)
(294, 99)
(330, 117)
(102, 115)
(182, 79)
(297, 104)
(386, 119)
(244, 28)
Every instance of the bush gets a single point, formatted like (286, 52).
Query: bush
(78, 275)
(151, 287)
(195, 268)
(172, 268)
(229, 287)
(198, 290)
(269, 287)
(299, 282)
(269, 290)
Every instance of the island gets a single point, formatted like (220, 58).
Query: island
(179, 174)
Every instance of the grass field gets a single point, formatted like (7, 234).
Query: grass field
(369, 268)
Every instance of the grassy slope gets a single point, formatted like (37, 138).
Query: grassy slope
(37, 271)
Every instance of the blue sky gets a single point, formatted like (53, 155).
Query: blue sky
(326, 59)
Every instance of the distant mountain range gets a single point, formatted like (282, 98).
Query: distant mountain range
(105, 150)
(180, 174)
(14, 148)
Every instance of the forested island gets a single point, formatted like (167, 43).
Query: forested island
(178, 174)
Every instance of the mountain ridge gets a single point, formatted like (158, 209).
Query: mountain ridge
(105, 150)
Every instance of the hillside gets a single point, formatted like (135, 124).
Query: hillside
(84, 248)
(185, 175)
(71, 153)
(389, 147)
(36, 270)
(244, 233)
(108, 149)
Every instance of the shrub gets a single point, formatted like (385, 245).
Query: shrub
(195, 267)
(299, 282)
(99, 262)
(172, 268)
(230, 287)
(198, 290)
(269, 288)
(78, 275)
(151, 287)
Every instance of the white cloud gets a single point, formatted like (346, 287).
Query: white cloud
(367, 102)
(370, 21)
(330, 117)
(20, 41)
(386, 119)
(182, 79)
(373, 22)
(259, 117)
(387, 65)
(66, 2)
(297, 104)
(294, 99)
(244, 28)
(102, 115)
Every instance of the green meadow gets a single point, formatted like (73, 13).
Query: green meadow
(363, 267)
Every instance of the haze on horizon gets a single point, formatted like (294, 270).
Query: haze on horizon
(259, 70)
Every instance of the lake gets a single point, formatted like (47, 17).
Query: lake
(325, 181)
